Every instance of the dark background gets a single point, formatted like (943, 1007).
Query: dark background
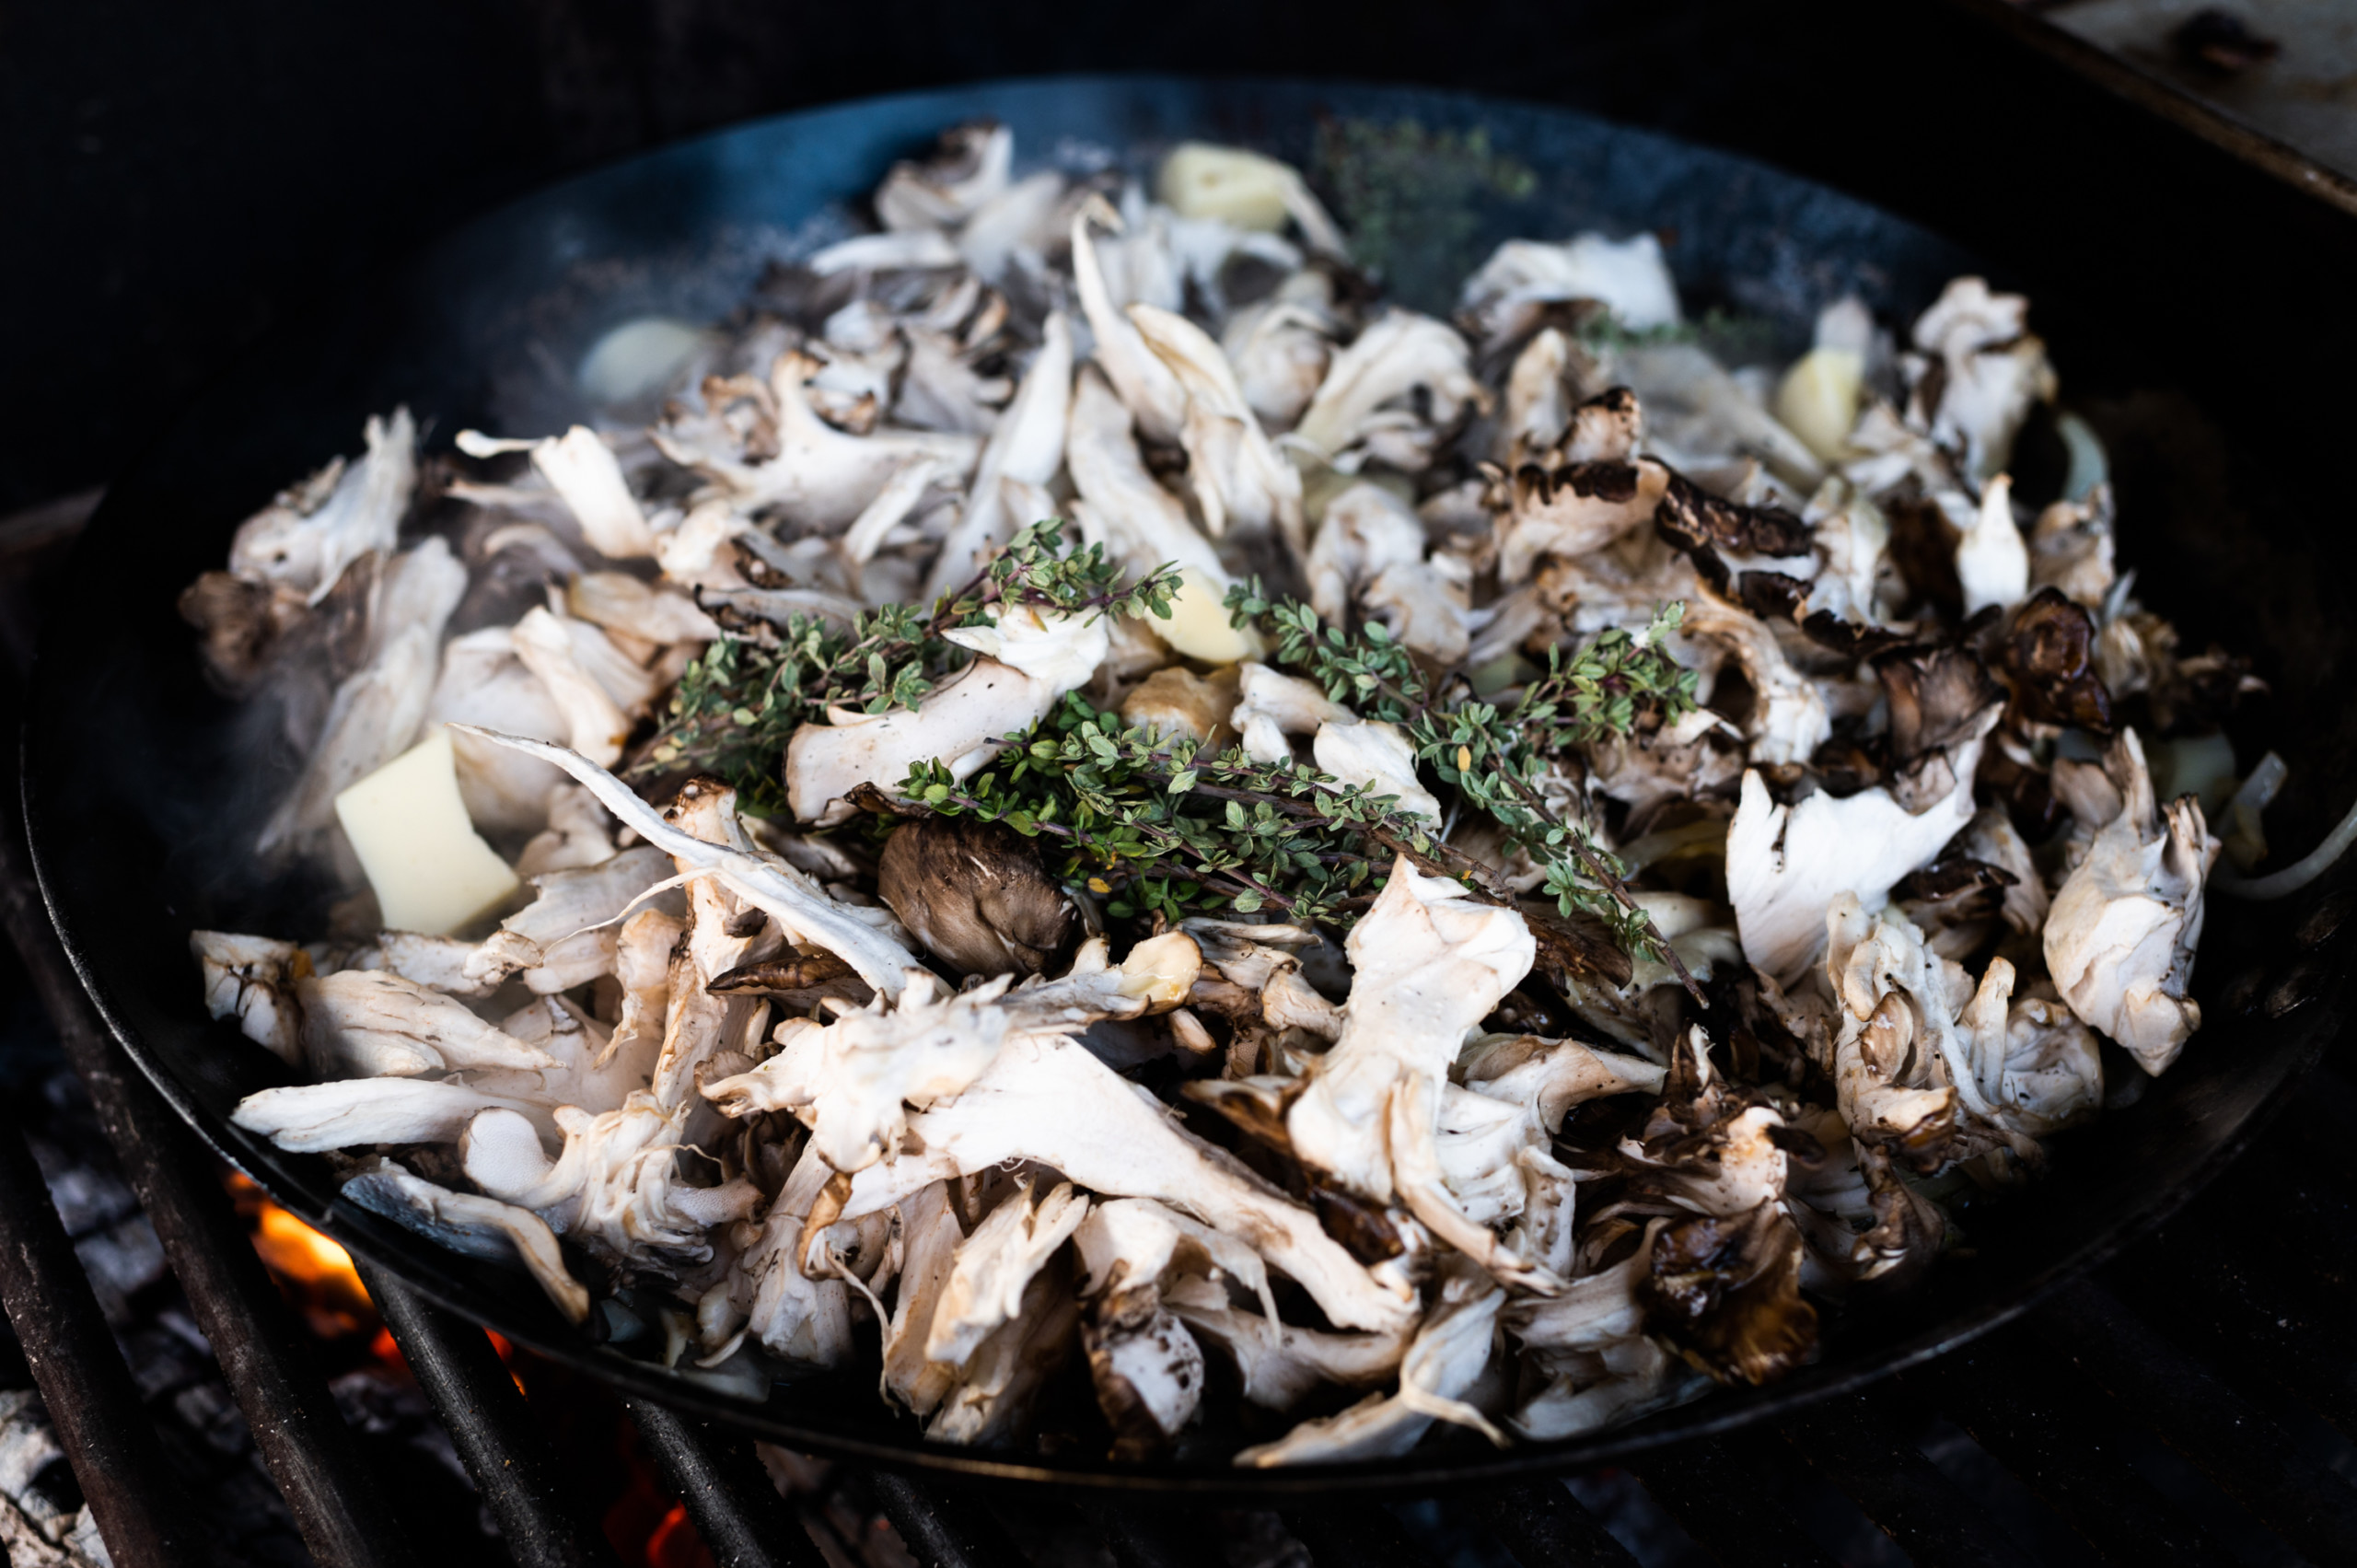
(178, 177)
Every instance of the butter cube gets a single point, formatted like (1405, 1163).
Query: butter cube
(1818, 399)
(432, 871)
(1199, 626)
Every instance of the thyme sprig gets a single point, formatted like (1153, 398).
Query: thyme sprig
(736, 707)
(1162, 823)
(1498, 760)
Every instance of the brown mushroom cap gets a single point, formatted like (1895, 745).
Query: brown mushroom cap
(978, 895)
(2048, 657)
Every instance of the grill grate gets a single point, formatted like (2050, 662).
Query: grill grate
(2193, 1401)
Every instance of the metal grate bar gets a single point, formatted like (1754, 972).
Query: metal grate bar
(93, 1404)
(1730, 1508)
(1543, 1525)
(1854, 1445)
(942, 1528)
(2270, 1344)
(1143, 1533)
(743, 1521)
(1361, 1535)
(2251, 1458)
(541, 1522)
(2046, 1425)
(264, 1351)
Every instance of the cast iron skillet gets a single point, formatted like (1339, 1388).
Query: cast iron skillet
(142, 785)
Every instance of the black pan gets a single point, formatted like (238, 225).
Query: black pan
(141, 785)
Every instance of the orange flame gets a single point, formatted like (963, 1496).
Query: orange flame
(314, 1270)
(647, 1528)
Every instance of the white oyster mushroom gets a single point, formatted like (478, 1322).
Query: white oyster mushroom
(1280, 1363)
(1786, 864)
(1427, 605)
(1373, 756)
(309, 534)
(1994, 370)
(1239, 480)
(819, 478)
(564, 937)
(1916, 1031)
(1365, 530)
(375, 715)
(1788, 719)
(473, 1226)
(855, 1080)
(643, 952)
(1049, 1100)
(930, 1236)
(1992, 558)
(1027, 445)
(996, 1264)
(1134, 1242)
(1446, 1359)
(2120, 940)
(1994, 840)
(1429, 963)
(969, 168)
(620, 602)
(591, 1074)
(1550, 1076)
(577, 836)
(1399, 353)
(893, 505)
(908, 250)
(1538, 396)
(1592, 1312)
(1281, 348)
(1146, 526)
(1855, 578)
(1013, 229)
(960, 722)
(596, 724)
(587, 477)
(1572, 514)
(1052, 648)
(374, 1023)
(252, 979)
(1628, 277)
(482, 683)
(999, 1383)
(350, 1113)
(787, 896)
(1272, 706)
(1698, 415)
(1150, 388)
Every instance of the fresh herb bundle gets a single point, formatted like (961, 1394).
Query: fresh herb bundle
(736, 708)
(1160, 823)
(1497, 760)
(1163, 824)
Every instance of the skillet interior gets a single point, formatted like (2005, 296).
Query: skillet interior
(142, 785)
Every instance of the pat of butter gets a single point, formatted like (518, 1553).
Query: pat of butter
(1199, 626)
(432, 871)
(1818, 399)
(1200, 180)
